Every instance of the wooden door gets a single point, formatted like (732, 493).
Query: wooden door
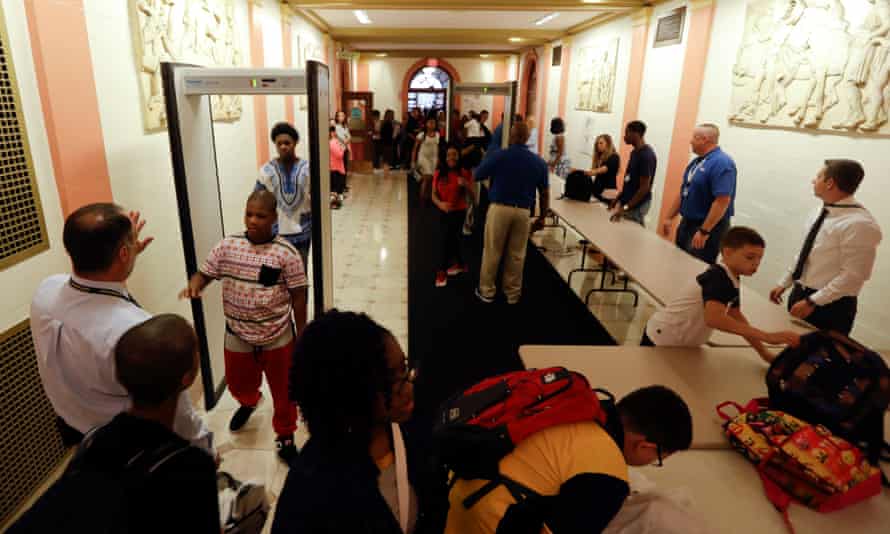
(358, 106)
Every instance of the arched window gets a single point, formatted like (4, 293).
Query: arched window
(427, 88)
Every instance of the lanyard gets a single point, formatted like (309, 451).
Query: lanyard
(102, 291)
(692, 170)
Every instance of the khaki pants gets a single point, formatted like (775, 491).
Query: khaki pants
(506, 234)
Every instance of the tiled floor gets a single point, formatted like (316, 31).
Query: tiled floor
(370, 275)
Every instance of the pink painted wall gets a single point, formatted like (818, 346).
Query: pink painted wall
(565, 67)
(701, 18)
(497, 106)
(287, 48)
(260, 112)
(544, 68)
(67, 88)
(638, 45)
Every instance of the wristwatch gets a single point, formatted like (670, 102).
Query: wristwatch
(702, 230)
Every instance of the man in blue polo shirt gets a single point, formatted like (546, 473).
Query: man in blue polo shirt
(516, 173)
(706, 198)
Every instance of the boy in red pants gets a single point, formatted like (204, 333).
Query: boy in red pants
(263, 281)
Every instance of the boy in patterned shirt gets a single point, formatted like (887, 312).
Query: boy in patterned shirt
(263, 281)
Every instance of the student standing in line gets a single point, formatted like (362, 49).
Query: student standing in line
(352, 383)
(636, 196)
(604, 167)
(706, 199)
(712, 301)
(516, 174)
(387, 141)
(483, 126)
(287, 177)
(426, 156)
(344, 136)
(77, 318)
(838, 253)
(163, 484)
(263, 282)
(578, 470)
(559, 162)
(376, 124)
(452, 186)
(338, 170)
(413, 126)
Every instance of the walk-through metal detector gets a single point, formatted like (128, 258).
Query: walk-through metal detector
(187, 91)
(504, 89)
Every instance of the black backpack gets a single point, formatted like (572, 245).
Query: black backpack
(91, 499)
(831, 380)
(579, 186)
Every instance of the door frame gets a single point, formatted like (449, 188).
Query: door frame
(365, 148)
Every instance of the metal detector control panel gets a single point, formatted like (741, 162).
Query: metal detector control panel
(199, 81)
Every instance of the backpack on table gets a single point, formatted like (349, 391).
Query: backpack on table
(481, 425)
(800, 462)
(579, 186)
(833, 381)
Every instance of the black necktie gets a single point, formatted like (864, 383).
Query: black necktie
(808, 245)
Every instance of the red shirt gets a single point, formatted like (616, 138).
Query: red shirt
(450, 191)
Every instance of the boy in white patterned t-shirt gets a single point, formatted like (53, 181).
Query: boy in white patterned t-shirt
(263, 280)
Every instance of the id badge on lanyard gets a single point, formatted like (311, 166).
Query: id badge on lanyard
(691, 175)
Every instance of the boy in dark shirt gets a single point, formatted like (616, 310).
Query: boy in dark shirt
(135, 474)
(636, 196)
(713, 301)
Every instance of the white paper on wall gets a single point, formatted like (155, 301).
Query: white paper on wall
(595, 75)
(201, 32)
(816, 64)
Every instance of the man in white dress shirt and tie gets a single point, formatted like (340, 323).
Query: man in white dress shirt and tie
(837, 255)
(77, 319)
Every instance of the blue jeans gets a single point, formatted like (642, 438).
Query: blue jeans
(638, 214)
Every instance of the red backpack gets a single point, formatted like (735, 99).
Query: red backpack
(481, 425)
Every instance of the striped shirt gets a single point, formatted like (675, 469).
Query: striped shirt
(256, 284)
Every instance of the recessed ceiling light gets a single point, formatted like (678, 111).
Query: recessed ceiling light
(515, 39)
(546, 19)
(362, 16)
(382, 54)
(483, 56)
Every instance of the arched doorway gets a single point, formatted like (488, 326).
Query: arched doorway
(427, 88)
(418, 67)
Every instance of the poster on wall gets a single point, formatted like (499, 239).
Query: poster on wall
(595, 75)
(816, 65)
(201, 32)
(669, 30)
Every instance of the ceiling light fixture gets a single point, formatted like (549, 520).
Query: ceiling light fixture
(483, 56)
(545, 20)
(515, 39)
(362, 16)
(382, 54)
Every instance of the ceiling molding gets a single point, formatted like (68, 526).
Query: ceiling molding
(447, 36)
(473, 5)
(598, 20)
(442, 53)
(308, 15)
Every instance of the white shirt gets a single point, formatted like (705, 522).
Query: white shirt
(291, 193)
(75, 333)
(843, 253)
(473, 128)
(682, 322)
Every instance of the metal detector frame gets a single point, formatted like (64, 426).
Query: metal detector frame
(506, 89)
(187, 91)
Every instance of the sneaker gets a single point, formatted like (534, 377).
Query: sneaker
(456, 269)
(480, 296)
(287, 449)
(441, 279)
(242, 414)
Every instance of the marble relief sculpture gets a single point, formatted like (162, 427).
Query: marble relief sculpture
(817, 64)
(595, 77)
(201, 32)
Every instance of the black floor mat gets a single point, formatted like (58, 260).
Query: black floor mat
(456, 340)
